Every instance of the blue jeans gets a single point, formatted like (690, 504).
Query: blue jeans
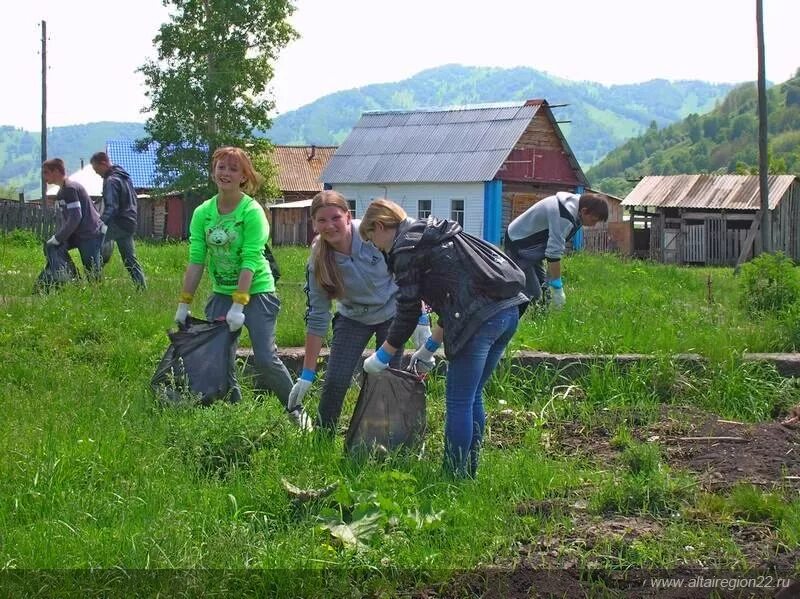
(89, 249)
(467, 373)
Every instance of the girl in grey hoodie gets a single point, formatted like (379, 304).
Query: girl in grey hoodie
(349, 275)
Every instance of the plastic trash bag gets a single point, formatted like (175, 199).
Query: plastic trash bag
(106, 251)
(389, 413)
(199, 365)
(58, 270)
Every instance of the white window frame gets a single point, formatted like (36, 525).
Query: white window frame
(424, 212)
(351, 205)
(457, 214)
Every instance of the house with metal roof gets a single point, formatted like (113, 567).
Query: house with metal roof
(480, 165)
(712, 219)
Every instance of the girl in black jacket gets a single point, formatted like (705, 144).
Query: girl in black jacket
(475, 322)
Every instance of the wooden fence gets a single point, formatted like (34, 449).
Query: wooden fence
(38, 219)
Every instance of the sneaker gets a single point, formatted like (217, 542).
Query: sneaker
(301, 419)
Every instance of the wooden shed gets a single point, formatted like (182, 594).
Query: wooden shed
(712, 219)
(290, 223)
(299, 169)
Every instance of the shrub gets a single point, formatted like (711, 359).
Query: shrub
(769, 284)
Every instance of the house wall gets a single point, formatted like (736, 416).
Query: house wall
(407, 195)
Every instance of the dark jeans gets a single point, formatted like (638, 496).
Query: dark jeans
(467, 373)
(92, 260)
(350, 338)
(260, 315)
(127, 251)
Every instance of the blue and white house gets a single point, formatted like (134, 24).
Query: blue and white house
(479, 165)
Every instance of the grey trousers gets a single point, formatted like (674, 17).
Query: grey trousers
(260, 315)
(350, 338)
(531, 261)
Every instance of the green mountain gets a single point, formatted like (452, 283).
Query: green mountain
(601, 117)
(724, 140)
(596, 118)
(20, 154)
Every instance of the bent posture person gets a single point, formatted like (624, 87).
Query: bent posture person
(229, 231)
(344, 269)
(80, 223)
(119, 212)
(541, 233)
(475, 322)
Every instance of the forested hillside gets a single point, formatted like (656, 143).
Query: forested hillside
(724, 140)
(600, 117)
(596, 119)
(20, 154)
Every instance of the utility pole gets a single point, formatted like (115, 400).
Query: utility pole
(763, 161)
(44, 105)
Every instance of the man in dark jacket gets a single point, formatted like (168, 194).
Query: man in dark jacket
(119, 212)
(80, 224)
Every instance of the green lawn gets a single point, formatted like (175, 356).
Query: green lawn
(96, 474)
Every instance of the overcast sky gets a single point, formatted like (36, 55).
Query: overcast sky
(95, 46)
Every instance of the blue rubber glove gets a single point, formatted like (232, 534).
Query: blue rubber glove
(557, 295)
(377, 362)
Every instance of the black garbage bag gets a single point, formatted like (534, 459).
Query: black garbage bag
(389, 413)
(59, 269)
(106, 251)
(199, 365)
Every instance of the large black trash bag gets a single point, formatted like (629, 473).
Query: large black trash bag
(59, 269)
(389, 413)
(106, 251)
(199, 365)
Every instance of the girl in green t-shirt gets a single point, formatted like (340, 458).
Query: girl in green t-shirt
(228, 232)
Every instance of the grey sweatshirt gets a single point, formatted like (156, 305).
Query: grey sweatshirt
(546, 224)
(369, 289)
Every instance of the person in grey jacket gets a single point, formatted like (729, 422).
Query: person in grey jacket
(541, 233)
(80, 224)
(353, 273)
(119, 212)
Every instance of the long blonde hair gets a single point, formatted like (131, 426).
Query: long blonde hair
(323, 258)
(385, 212)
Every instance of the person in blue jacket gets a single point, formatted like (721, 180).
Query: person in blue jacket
(119, 212)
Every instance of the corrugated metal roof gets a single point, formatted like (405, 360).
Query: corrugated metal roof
(299, 167)
(141, 166)
(717, 192)
(435, 146)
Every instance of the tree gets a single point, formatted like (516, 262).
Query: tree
(208, 86)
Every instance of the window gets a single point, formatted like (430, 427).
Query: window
(423, 208)
(351, 204)
(457, 211)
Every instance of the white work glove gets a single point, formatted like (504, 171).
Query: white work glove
(103, 227)
(421, 334)
(557, 295)
(235, 317)
(422, 360)
(377, 362)
(300, 389)
(181, 313)
(53, 241)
